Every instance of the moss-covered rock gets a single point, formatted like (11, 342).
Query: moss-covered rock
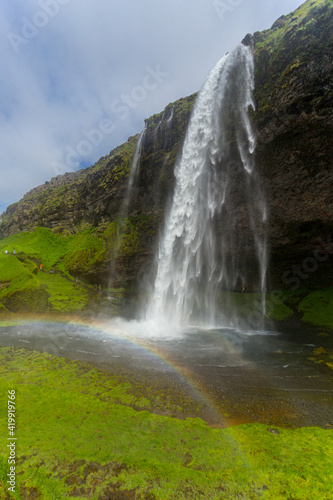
(317, 307)
(32, 298)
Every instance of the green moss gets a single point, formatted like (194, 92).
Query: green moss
(26, 289)
(126, 237)
(84, 250)
(11, 267)
(31, 266)
(28, 296)
(21, 290)
(276, 307)
(63, 295)
(291, 25)
(323, 356)
(323, 334)
(78, 436)
(129, 239)
(317, 308)
(283, 52)
(3, 311)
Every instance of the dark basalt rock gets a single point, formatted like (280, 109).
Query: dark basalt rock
(248, 40)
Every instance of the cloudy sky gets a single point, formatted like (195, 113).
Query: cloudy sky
(79, 77)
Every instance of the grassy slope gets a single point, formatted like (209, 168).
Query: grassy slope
(78, 437)
(317, 307)
(26, 289)
(23, 288)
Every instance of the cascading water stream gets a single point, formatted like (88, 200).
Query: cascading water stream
(134, 170)
(169, 120)
(133, 174)
(214, 240)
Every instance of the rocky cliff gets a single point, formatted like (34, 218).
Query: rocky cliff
(294, 124)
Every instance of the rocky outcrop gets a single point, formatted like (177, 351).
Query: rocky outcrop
(294, 124)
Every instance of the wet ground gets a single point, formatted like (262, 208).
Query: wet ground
(225, 376)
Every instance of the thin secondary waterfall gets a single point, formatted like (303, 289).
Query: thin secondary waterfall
(123, 212)
(214, 241)
(133, 174)
(169, 120)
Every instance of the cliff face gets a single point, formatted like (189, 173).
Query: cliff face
(294, 125)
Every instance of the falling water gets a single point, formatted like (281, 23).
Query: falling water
(158, 127)
(169, 120)
(123, 212)
(133, 174)
(214, 241)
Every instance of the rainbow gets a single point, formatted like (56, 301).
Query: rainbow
(133, 333)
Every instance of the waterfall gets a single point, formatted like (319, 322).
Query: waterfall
(169, 120)
(134, 170)
(123, 212)
(214, 242)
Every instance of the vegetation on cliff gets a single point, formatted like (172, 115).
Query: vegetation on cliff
(294, 52)
(40, 271)
(25, 287)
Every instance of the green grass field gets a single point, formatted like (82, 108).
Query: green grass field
(78, 436)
